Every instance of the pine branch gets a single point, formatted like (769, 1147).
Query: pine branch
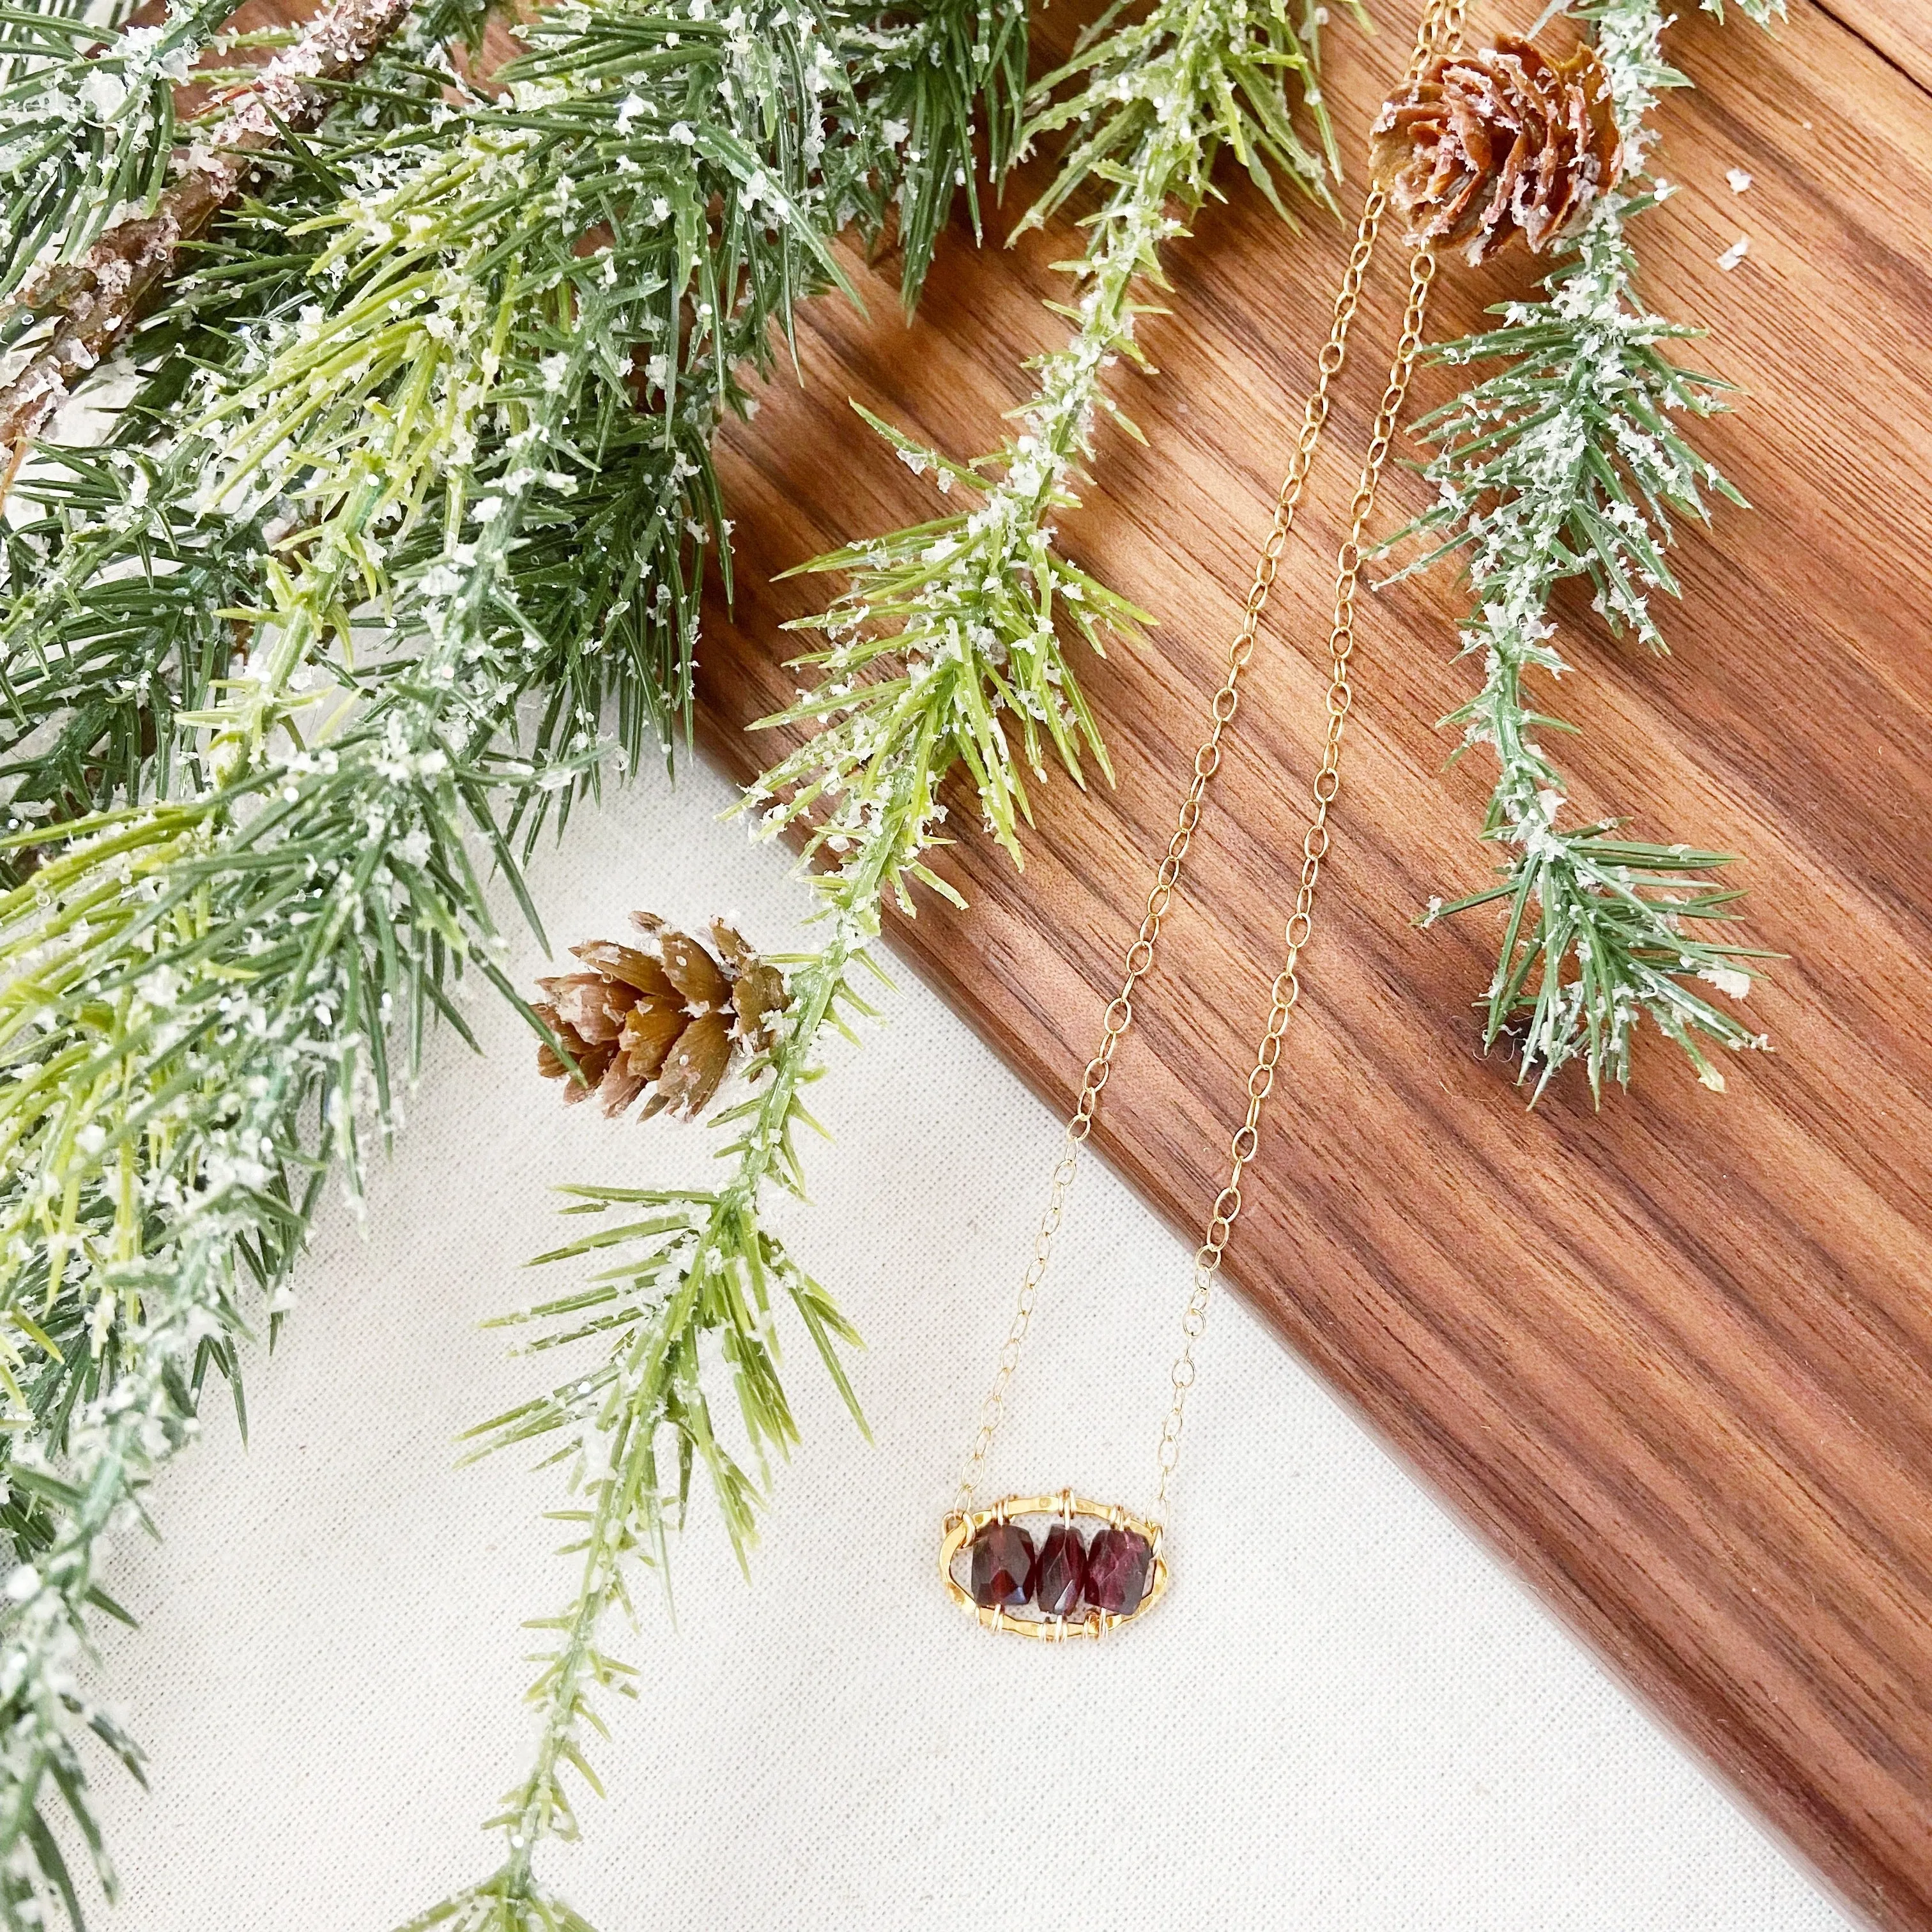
(90, 122)
(91, 303)
(1148, 107)
(928, 83)
(450, 354)
(1567, 463)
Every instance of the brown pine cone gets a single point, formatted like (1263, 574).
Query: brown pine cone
(1503, 142)
(667, 1014)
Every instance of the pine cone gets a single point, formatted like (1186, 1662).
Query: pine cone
(1506, 142)
(667, 1014)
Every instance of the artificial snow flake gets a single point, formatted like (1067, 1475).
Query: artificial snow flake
(102, 93)
(1728, 980)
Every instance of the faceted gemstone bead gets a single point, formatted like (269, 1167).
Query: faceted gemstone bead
(1118, 1562)
(1002, 1561)
(1059, 1572)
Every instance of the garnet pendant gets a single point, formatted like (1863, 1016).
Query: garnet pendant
(1052, 1583)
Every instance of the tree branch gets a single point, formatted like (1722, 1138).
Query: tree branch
(95, 302)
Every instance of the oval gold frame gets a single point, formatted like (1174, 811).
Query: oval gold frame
(961, 1529)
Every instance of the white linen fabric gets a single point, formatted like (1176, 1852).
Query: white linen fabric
(1346, 1714)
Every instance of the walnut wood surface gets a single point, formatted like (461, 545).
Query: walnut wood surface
(1901, 30)
(1675, 1358)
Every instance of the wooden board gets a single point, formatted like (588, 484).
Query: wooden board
(1675, 1358)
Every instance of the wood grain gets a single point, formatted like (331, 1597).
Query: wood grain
(1675, 1358)
(1901, 30)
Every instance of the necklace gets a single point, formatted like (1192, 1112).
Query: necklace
(1064, 1586)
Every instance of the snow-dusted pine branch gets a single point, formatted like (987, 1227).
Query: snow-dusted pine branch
(446, 385)
(984, 686)
(1148, 106)
(1567, 462)
(973, 674)
(87, 122)
(91, 303)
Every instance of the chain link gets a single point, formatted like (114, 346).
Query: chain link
(1441, 29)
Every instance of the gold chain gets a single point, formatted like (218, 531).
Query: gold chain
(1441, 30)
(1241, 1149)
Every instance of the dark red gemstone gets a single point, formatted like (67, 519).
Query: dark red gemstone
(1118, 1562)
(1002, 1561)
(1059, 1571)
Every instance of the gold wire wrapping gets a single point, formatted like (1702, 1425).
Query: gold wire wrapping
(963, 1525)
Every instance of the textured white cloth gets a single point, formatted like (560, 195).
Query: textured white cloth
(1344, 1715)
